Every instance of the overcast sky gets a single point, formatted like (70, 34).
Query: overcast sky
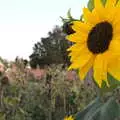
(24, 22)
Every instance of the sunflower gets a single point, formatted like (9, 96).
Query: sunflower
(68, 118)
(97, 42)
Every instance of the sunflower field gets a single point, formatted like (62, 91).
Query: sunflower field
(50, 98)
(83, 86)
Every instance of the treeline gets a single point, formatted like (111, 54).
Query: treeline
(51, 49)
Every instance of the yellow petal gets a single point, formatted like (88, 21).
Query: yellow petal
(101, 14)
(80, 38)
(104, 16)
(79, 26)
(100, 69)
(114, 69)
(76, 56)
(114, 47)
(112, 14)
(81, 60)
(116, 23)
(69, 118)
(110, 3)
(98, 4)
(76, 47)
(107, 13)
(75, 53)
(90, 17)
(84, 70)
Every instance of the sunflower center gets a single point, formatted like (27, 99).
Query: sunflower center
(99, 37)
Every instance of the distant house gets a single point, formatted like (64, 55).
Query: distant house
(38, 73)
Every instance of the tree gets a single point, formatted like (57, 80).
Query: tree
(51, 49)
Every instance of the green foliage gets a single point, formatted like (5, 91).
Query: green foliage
(51, 49)
(2, 116)
(99, 110)
(91, 4)
(69, 14)
(112, 81)
(89, 110)
(110, 110)
(51, 98)
(112, 85)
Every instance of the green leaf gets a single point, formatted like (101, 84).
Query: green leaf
(104, 2)
(110, 110)
(113, 84)
(11, 101)
(91, 6)
(112, 81)
(97, 110)
(69, 14)
(81, 17)
(2, 116)
(21, 110)
(93, 113)
(89, 110)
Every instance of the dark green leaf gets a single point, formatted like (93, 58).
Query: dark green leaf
(110, 110)
(21, 110)
(89, 110)
(2, 116)
(113, 84)
(112, 81)
(69, 14)
(91, 4)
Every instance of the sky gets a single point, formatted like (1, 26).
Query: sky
(24, 22)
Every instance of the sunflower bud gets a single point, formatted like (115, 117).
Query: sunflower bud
(67, 28)
(5, 80)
